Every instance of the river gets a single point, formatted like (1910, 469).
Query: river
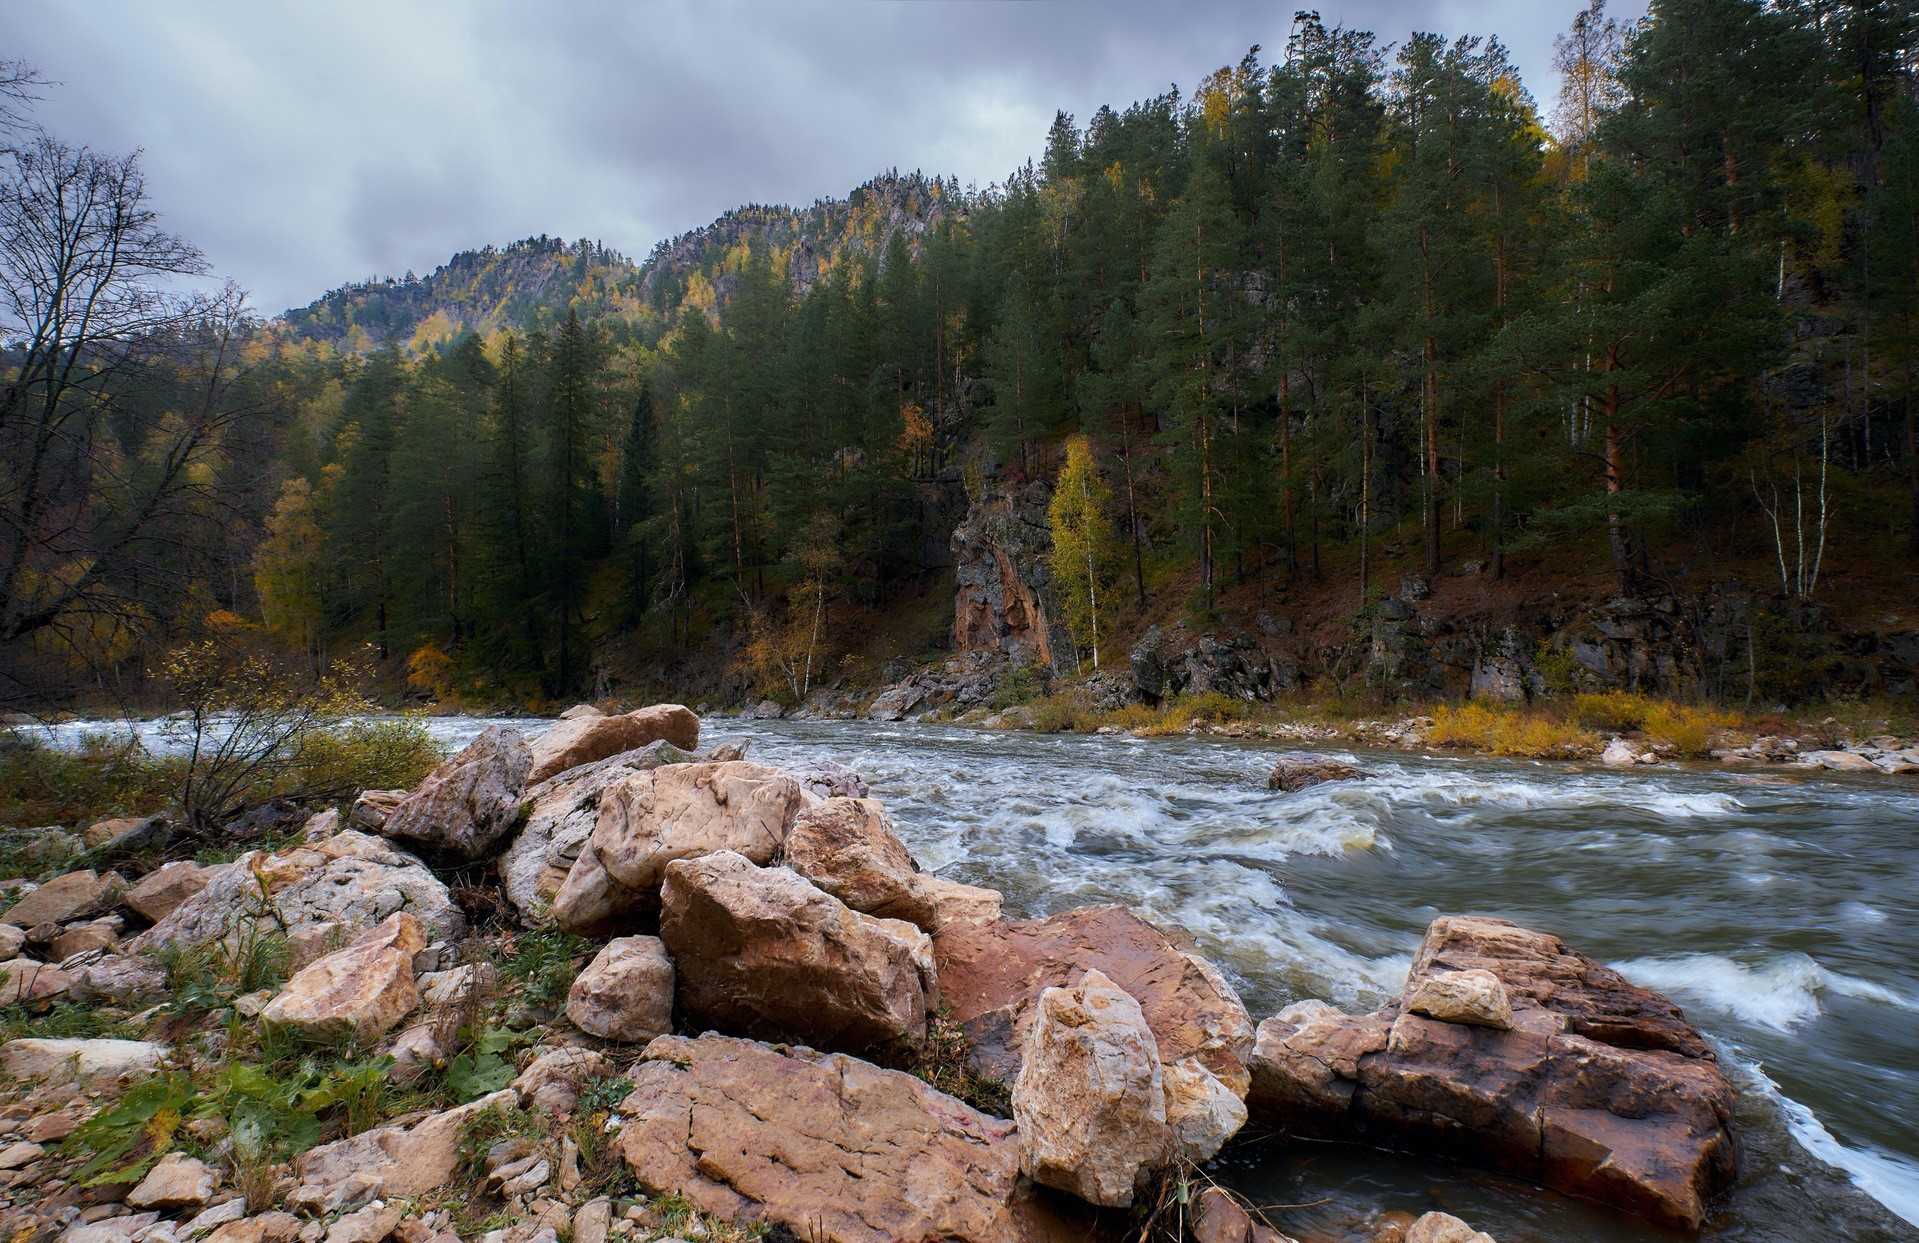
(1782, 911)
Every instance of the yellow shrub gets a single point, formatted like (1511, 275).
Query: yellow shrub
(1510, 732)
(1689, 731)
(1612, 710)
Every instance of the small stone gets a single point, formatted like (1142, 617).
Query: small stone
(362, 990)
(1444, 1228)
(176, 1181)
(215, 1217)
(369, 1225)
(1476, 997)
(49, 1128)
(82, 939)
(593, 1220)
(12, 941)
(19, 1154)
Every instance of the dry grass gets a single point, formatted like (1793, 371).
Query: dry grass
(1675, 727)
(1513, 732)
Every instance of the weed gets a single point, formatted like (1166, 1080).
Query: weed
(1016, 686)
(481, 1068)
(357, 755)
(123, 1142)
(65, 1020)
(543, 964)
(940, 1060)
(1057, 714)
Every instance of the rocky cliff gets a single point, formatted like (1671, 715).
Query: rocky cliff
(1007, 602)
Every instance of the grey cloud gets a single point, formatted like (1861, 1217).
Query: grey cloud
(305, 146)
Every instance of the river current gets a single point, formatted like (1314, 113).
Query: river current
(1781, 911)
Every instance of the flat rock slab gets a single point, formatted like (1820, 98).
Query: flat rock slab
(83, 1061)
(992, 974)
(583, 739)
(1598, 1088)
(837, 1149)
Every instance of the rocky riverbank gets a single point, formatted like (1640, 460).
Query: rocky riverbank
(610, 985)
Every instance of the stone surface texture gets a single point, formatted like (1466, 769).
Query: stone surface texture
(847, 847)
(468, 804)
(582, 740)
(361, 991)
(625, 993)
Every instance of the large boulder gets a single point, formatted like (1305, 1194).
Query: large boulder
(582, 740)
(1596, 1088)
(835, 1149)
(1090, 1103)
(466, 805)
(72, 896)
(680, 811)
(79, 1061)
(625, 993)
(992, 974)
(359, 992)
(764, 952)
(1299, 770)
(160, 892)
(847, 847)
(561, 812)
(388, 1162)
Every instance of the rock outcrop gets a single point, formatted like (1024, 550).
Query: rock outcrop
(847, 847)
(468, 804)
(342, 886)
(681, 811)
(359, 992)
(1006, 602)
(835, 1149)
(764, 952)
(1090, 1103)
(583, 740)
(1597, 1088)
(992, 974)
(625, 993)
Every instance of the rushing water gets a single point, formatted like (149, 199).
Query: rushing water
(1781, 911)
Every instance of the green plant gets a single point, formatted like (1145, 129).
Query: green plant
(1019, 684)
(939, 1058)
(64, 1020)
(356, 755)
(482, 1067)
(123, 1141)
(543, 964)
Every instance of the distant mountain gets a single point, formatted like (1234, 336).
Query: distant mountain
(530, 285)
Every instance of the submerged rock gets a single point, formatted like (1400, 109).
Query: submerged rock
(1598, 1088)
(764, 952)
(835, 1149)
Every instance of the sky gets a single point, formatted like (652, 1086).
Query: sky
(304, 146)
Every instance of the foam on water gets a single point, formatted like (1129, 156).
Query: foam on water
(1781, 993)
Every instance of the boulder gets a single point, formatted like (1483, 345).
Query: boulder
(991, 976)
(847, 847)
(1597, 1088)
(561, 812)
(372, 807)
(1444, 1228)
(81, 939)
(125, 979)
(1090, 1103)
(1474, 996)
(12, 941)
(1837, 761)
(359, 992)
(269, 1227)
(828, 778)
(835, 1149)
(388, 1161)
(764, 952)
(25, 979)
(680, 811)
(75, 895)
(1619, 753)
(79, 1061)
(466, 805)
(1201, 1110)
(952, 900)
(341, 886)
(625, 993)
(1294, 772)
(582, 740)
(160, 892)
(175, 1182)
(551, 1083)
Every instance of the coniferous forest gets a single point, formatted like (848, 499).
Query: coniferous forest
(1350, 309)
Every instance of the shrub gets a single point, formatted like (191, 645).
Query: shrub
(365, 755)
(1612, 710)
(1688, 731)
(1509, 732)
(1057, 714)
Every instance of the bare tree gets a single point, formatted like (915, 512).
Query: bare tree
(19, 83)
(115, 383)
(1586, 58)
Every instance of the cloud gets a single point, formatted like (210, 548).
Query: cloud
(304, 146)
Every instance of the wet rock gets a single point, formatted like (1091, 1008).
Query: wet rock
(625, 993)
(79, 1061)
(681, 811)
(847, 847)
(75, 895)
(175, 1182)
(550, 1085)
(160, 892)
(991, 976)
(1201, 1110)
(583, 740)
(468, 804)
(1444, 1228)
(388, 1161)
(952, 900)
(764, 710)
(764, 952)
(835, 1149)
(339, 887)
(1597, 1088)
(1836, 761)
(372, 807)
(1090, 1103)
(1297, 771)
(827, 778)
(1474, 996)
(358, 992)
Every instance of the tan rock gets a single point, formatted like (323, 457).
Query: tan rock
(1218, 1218)
(1202, 1111)
(12, 941)
(581, 712)
(765, 952)
(468, 804)
(360, 991)
(550, 1085)
(176, 1181)
(372, 807)
(593, 1220)
(625, 993)
(25, 979)
(75, 895)
(269, 1227)
(330, 890)
(1090, 1102)
(78, 1061)
(124, 979)
(1474, 996)
(101, 832)
(838, 1150)
(991, 975)
(680, 811)
(388, 1161)
(954, 901)
(1295, 772)
(162, 890)
(81, 939)
(368, 1225)
(1444, 1228)
(20, 1154)
(584, 739)
(847, 847)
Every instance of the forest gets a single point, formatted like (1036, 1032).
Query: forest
(1346, 295)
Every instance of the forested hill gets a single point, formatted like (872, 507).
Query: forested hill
(530, 285)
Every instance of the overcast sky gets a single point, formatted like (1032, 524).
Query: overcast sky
(306, 145)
